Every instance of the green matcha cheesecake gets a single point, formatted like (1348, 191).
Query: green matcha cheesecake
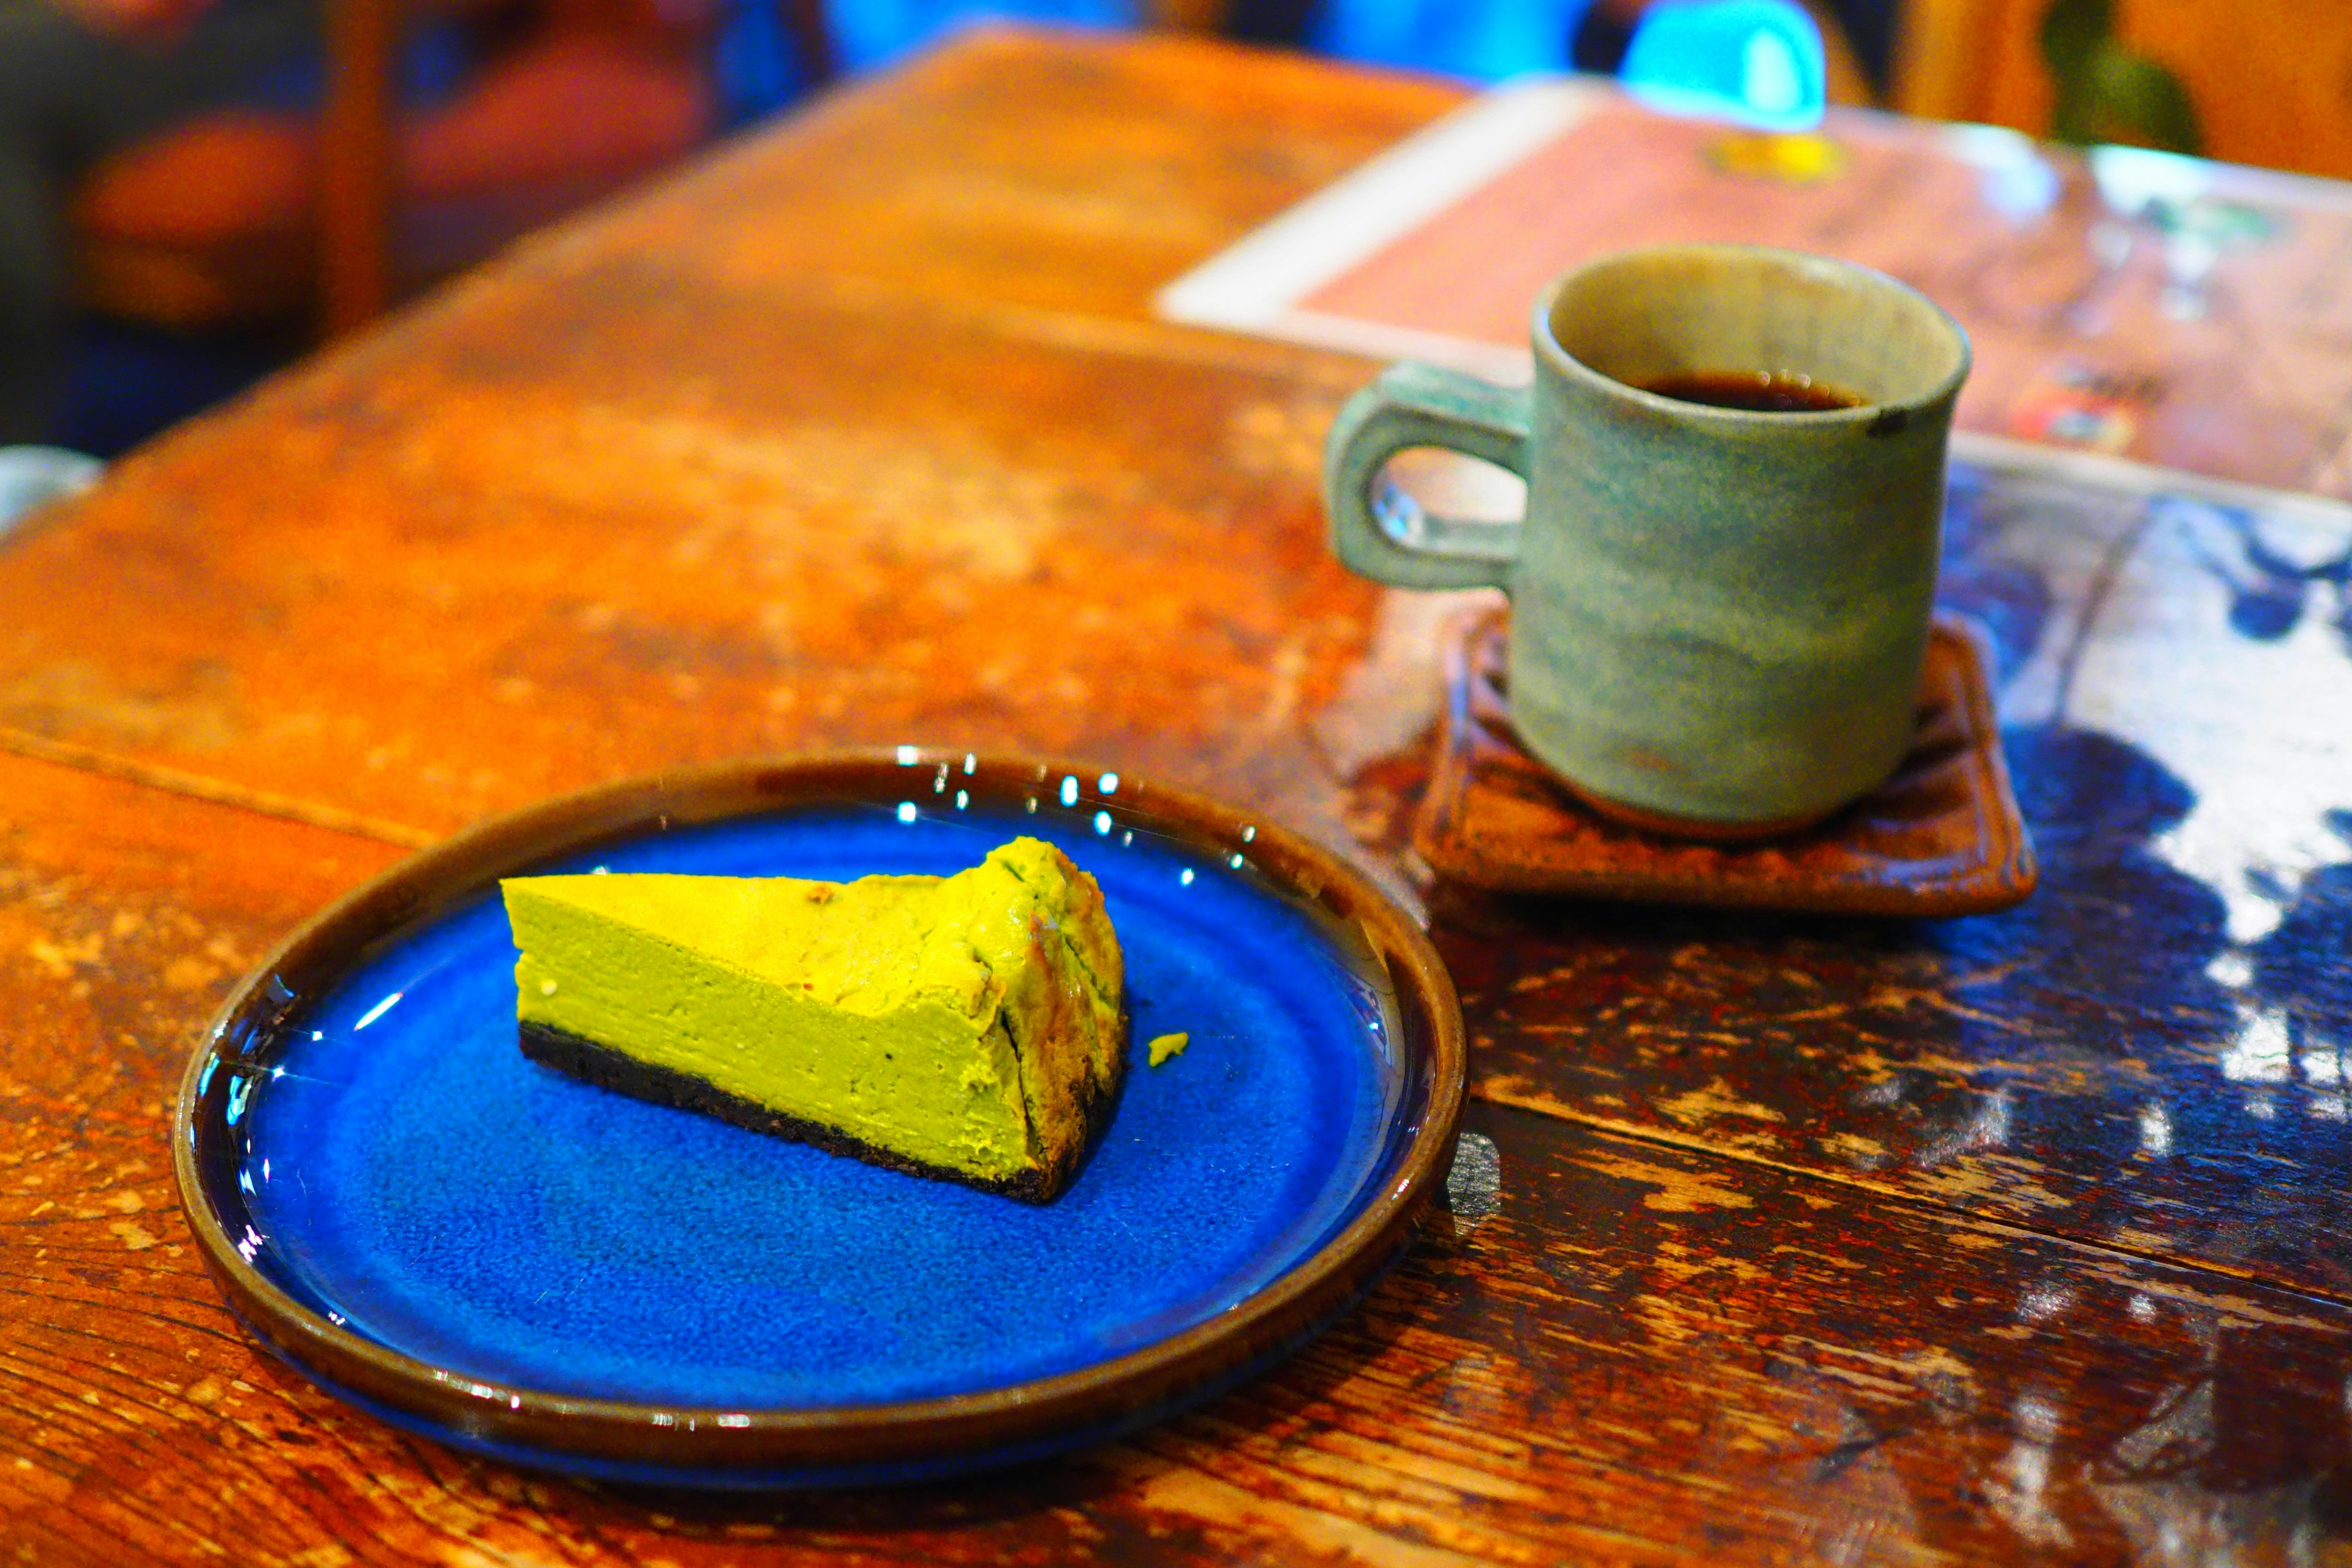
(966, 1026)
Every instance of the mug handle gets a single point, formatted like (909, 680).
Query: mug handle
(1389, 538)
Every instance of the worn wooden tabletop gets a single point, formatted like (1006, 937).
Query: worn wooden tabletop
(2020, 1237)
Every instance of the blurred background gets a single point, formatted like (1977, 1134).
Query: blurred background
(194, 192)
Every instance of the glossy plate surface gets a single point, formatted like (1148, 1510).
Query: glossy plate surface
(517, 1262)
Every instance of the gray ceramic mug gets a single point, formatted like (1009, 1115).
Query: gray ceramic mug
(1717, 613)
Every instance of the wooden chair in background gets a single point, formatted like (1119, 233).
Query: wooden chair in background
(248, 217)
(1847, 82)
(2271, 83)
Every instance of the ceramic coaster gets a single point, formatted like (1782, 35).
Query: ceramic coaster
(1942, 837)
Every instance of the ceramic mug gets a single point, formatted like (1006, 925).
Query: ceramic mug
(1718, 614)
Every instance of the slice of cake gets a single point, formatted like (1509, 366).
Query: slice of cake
(965, 1027)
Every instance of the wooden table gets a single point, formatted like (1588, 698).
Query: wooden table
(1814, 1240)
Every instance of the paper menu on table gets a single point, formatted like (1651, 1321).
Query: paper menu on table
(2132, 305)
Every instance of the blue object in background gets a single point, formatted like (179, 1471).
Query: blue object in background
(870, 33)
(1485, 41)
(754, 64)
(1756, 62)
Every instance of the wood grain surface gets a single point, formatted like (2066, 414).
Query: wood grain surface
(1619, 1348)
(1813, 1240)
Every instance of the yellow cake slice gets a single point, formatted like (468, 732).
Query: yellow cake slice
(966, 1026)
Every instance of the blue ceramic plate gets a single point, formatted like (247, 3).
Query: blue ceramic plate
(523, 1265)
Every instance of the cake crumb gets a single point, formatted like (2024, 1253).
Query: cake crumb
(820, 893)
(1167, 1046)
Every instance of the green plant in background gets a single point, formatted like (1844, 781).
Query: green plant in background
(2105, 92)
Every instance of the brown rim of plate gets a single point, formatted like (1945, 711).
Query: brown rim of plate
(436, 880)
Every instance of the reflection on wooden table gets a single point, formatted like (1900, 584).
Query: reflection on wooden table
(1804, 1239)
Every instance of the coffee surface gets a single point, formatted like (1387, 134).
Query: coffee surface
(1763, 392)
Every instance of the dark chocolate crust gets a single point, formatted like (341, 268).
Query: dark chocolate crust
(608, 1069)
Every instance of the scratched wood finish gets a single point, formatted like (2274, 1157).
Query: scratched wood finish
(885, 449)
(550, 536)
(624, 503)
(1030, 171)
(2150, 1052)
(1619, 1350)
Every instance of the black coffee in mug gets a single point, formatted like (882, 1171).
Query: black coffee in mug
(1717, 613)
(1759, 392)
